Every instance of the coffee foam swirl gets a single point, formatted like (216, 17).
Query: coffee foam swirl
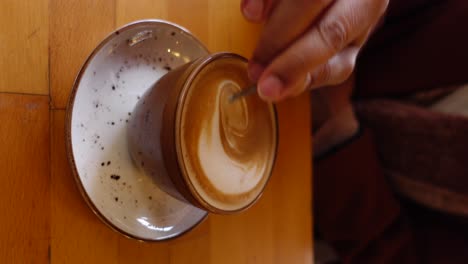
(228, 147)
(223, 145)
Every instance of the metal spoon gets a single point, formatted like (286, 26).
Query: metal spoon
(251, 90)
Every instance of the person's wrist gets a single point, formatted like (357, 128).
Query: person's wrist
(336, 130)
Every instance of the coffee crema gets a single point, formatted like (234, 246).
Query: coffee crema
(227, 149)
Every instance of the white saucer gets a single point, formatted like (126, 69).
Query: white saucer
(105, 92)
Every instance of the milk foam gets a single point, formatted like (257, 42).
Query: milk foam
(222, 169)
(228, 148)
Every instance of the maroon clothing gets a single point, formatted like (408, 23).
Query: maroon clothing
(422, 45)
(356, 210)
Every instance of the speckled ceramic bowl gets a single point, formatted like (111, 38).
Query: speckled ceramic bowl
(107, 88)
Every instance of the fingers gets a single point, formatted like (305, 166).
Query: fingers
(286, 23)
(335, 71)
(256, 10)
(272, 93)
(340, 26)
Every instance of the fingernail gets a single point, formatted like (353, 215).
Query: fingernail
(270, 88)
(254, 71)
(253, 9)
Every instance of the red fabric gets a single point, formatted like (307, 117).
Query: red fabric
(422, 45)
(423, 145)
(354, 206)
(439, 238)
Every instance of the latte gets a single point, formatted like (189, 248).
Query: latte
(227, 149)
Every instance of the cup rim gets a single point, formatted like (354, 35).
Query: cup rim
(205, 61)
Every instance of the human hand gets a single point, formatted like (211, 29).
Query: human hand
(307, 44)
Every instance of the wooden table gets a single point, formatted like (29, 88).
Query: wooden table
(45, 220)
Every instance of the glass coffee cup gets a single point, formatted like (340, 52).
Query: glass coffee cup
(197, 144)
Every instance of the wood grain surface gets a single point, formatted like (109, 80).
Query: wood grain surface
(25, 178)
(24, 32)
(45, 219)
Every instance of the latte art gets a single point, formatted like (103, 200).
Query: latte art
(224, 143)
(233, 116)
(228, 147)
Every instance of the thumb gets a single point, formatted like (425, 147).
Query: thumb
(256, 10)
(252, 10)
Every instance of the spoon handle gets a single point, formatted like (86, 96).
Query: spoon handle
(251, 90)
